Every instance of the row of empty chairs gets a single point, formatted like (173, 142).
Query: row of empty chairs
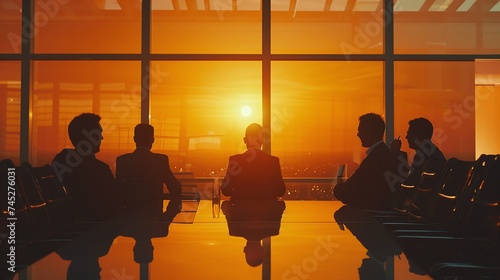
(449, 223)
(43, 215)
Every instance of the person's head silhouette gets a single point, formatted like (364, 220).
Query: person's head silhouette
(254, 136)
(371, 129)
(254, 253)
(85, 133)
(144, 135)
(420, 129)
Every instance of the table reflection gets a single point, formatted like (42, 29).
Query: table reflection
(84, 252)
(307, 243)
(380, 243)
(254, 221)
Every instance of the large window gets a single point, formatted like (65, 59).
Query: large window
(201, 70)
(326, 27)
(200, 111)
(65, 89)
(10, 109)
(11, 31)
(442, 92)
(447, 27)
(315, 111)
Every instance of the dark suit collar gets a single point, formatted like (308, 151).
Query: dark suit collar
(142, 150)
(254, 150)
(374, 146)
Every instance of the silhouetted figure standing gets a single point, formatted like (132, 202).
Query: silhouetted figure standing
(89, 181)
(142, 163)
(253, 174)
(368, 186)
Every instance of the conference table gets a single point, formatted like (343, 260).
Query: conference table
(288, 240)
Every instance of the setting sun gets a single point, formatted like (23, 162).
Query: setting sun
(246, 111)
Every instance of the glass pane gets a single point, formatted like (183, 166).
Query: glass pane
(10, 110)
(439, 27)
(487, 98)
(315, 112)
(213, 26)
(10, 26)
(200, 111)
(443, 93)
(101, 26)
(65, 89)
(320, 27)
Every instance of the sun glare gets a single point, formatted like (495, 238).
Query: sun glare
(246, 111)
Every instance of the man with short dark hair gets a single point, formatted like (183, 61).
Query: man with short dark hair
(253, 174)
(142, 163)
(368, 187)
(427, 156)
(89, 181)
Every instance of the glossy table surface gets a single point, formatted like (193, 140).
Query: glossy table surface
(305, 240)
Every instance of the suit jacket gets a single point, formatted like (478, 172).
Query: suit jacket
(253, 175)
(428, 160)
(368, 187)
(90, 184)
(144, 163)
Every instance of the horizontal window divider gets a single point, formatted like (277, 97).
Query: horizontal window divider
(257, 57)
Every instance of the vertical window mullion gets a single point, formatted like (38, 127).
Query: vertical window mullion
(26, 76)
(145, 61)
(266, 70)
(388, 14)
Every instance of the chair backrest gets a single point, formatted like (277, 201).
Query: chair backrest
(35, 201)
(478, 216)
(188, 184)
(450, 191)
(14, 205)
(142, 194)
(56, 196)
(426, 187)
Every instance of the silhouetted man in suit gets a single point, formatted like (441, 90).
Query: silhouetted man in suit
(143, 163)
(368, 187)
(419, 136)
(253, 174)
(89, 181)
(427, 158)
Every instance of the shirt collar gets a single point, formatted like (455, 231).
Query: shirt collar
(373, 147)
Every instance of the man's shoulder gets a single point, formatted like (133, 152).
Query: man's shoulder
(124, 156)
(159, 156)
(101, 163)
(382, 150)
(438, 155)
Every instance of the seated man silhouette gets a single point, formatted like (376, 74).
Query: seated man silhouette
(89, 181)
(368, 187)
(253, 174)
(427, 157)
(144, 164)
(419, 136)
